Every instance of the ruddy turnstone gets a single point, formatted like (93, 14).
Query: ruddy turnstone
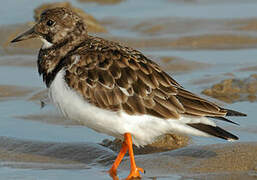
(115, 89)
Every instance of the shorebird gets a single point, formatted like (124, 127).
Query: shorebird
(115, 89)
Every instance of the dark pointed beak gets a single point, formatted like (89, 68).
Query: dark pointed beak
(26, 35)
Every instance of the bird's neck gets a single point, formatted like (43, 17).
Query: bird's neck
(51, 59)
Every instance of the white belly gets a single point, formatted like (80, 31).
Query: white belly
(144, 128)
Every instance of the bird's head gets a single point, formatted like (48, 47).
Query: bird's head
(55, 26)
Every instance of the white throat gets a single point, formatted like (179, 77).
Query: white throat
(46, 44)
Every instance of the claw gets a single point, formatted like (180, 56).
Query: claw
(113, 172)
(135, 174)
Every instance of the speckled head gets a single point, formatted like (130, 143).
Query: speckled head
(56, 26)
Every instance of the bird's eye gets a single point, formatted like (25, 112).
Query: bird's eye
(50, 22)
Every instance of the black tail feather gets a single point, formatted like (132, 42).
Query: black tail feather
(223, 119)
(234, 113)
(214, 131)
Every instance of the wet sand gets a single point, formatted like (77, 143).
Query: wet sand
(175, 30)
(234, 90)
(7, 91)
(206, 42)
(218, 160)
(178, 65)
(102, 2)
(192, 161)
(18, 60)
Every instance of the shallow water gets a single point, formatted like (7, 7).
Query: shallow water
(122, 21)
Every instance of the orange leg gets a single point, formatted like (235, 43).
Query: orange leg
(123, 151)
(134, 170)
(126, 146)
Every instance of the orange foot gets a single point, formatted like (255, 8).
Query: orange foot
(113, 173)
(126, 146)
(135, 173)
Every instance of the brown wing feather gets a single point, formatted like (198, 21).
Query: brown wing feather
(119, 78)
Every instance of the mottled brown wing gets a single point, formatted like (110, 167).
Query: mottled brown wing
(197, 106)
(118, 78)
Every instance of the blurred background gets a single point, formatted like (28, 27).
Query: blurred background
(209, 47)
